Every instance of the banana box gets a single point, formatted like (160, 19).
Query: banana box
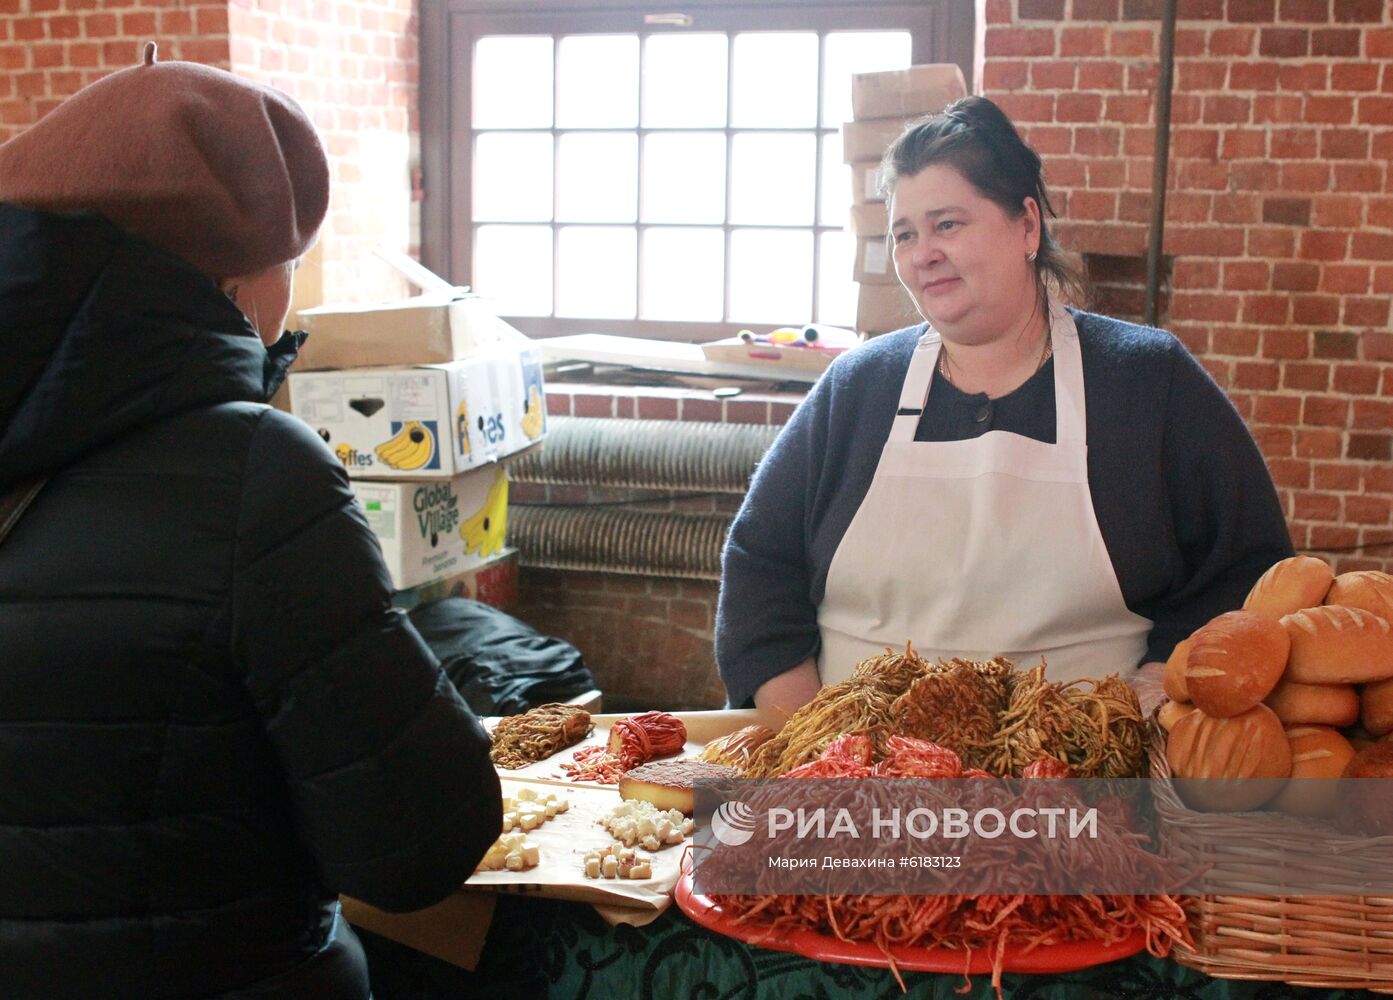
(432, 530)
(427, 421)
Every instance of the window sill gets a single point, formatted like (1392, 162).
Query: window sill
(661, 403)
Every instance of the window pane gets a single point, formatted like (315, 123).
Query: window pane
(771, 276)
(512, 177)
(512, 268)
(598, 268)
(597, 82)
(851, 52)
(598, 177)
(836, 183)
(684, 81)
(836, 292)
(775, 80)
(773, 178)
(683, 274)
(684, 177)
(512, 82)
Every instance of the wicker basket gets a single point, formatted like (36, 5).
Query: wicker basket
(1325, 941)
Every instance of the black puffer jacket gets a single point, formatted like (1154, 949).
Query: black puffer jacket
(210, 720)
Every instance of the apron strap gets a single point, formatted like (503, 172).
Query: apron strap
(914, 392)
(1071, 417)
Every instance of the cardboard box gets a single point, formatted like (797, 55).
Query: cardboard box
(865, 186)
(869, 220)
(866, 141)
(430, 329)
(882, 308)
(874, 265)
(430, 421)
(906, 93)
(494, 582)
(430, 530)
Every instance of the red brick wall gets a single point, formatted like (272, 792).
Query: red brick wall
(1279, 213)
(51, 48)
(351, 63)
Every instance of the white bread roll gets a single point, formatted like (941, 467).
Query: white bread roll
(1235, 662)
(1336, 645)
(1367, 589)
(1173, 677)
(1251, 746)
(1316, 752)
(1314, 704)
(1376, 707)
(1290, 585)
(1172, 712)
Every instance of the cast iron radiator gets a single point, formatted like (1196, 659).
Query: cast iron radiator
(649, 462)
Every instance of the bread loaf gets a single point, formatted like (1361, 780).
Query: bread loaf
(1290, 585)
(1337, 645)
(1374, 762)
(1366, 589)
(1364, 809)
(1250, 749)
(1235, 662)
(1172, 712)
(1376, 707)
(1317, 704)
(1319, 755)
(1173, 677)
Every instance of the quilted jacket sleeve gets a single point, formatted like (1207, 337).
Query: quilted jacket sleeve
(388, 770)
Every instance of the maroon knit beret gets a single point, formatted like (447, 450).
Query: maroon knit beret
(226, 173)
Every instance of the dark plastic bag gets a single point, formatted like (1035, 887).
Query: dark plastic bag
(500, 665)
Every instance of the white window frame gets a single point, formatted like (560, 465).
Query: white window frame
(940, 31)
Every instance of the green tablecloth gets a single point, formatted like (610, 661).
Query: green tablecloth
(543, 949)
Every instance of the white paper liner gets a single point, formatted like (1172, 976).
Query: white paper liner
(565, 840)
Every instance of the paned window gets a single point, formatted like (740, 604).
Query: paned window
(682, 178)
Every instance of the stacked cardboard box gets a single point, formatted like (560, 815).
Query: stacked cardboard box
(420, 400)
(881, 104)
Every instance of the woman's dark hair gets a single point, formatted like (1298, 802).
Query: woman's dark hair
(975, 138)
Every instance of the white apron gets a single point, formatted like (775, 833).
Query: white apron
(982, 547)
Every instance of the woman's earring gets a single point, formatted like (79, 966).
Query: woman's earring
(1031, 256)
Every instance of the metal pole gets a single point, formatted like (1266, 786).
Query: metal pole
(1160, 163)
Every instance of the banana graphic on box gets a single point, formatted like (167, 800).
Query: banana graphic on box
(483, 531)
(342, 453)
(532, 422)
(410, 448)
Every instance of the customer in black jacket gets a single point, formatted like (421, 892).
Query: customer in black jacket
(211, 721)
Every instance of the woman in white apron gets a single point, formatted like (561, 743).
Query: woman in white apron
(982, 541)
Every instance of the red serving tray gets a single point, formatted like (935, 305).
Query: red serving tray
(1050, 958)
